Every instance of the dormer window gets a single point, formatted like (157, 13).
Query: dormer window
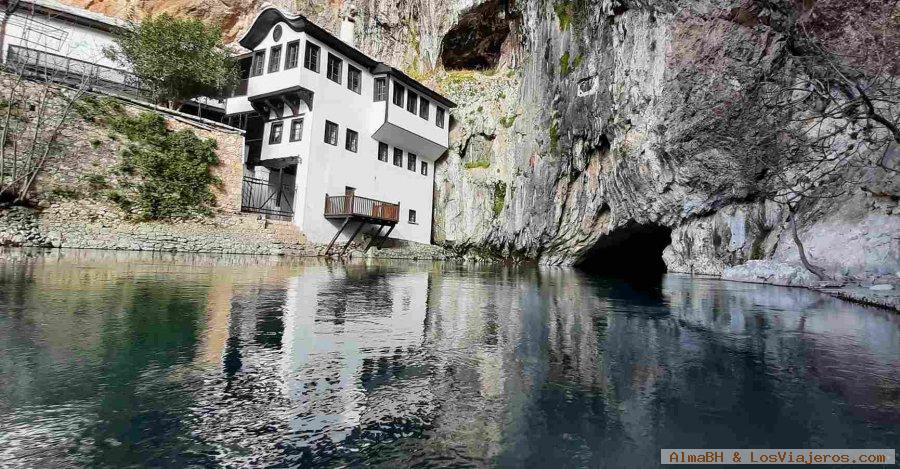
(335, 67)
(274, 59)
(258, 58)
(399, 93)
(276, 33)
(311, 57)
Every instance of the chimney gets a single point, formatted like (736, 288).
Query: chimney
(347, 24)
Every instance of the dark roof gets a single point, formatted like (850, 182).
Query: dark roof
(272, 15)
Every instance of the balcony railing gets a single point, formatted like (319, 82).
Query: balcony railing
(59, 68)
(270, 199)
(343, 206)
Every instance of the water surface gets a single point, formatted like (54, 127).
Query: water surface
(125, 359)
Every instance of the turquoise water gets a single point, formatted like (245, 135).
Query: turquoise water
(126, 359)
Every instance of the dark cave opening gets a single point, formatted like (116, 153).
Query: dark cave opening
(475, 42)
(633, 252)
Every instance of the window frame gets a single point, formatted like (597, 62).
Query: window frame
(424, 169)
(258, 62)
(424, 108)
(411, 217)
(294, 122)
(398, 157)
(384, 89)
(340, 68)
(312, 54)
(412, 101)
(296, 55)
(337, 129)
(399, 91)
(276, 125)
(411, 161)
(347, 139)
(440, 116)
(385, 147)
(274, 59)
(351, 71)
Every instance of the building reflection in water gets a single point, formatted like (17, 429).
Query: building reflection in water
(436, 364)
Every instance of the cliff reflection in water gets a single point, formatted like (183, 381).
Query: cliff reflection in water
(241, 361)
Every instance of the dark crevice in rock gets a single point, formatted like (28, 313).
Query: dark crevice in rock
(632, 251)
(475, 42)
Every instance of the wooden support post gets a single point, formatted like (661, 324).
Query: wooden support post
(359, 227)
(346, 220)
(372, 241)
(385, 236)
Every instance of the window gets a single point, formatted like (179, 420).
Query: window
(398, 157)
(276, 33)
(297, 129)
(353, 77)
(439, 117)
(399, 92)
(423, 108)
(331, 133)
(274, 59)
(335, 67)
(275, 133)
(311, 57)
(293, 55)
(411, 162)
(424, 169)
(412, 217)
(380, 89)
(412, 102)
(382, 151)
(258, 58)
(352, 141)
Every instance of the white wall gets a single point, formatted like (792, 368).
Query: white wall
(329, 169)
(54, 35)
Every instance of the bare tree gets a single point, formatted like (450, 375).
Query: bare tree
(812, 126)
(38, 103)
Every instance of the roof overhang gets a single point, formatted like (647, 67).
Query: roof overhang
(270, 16)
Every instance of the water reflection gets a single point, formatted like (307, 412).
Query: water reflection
(115, 360)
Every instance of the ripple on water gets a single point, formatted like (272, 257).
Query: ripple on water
(258, 362)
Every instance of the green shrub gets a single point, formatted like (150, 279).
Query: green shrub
(164, 174)
(499, 197)
(479, 163)
(508, 121)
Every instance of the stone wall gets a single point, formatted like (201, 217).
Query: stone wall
(94, 225)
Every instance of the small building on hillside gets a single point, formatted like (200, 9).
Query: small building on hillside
(51, 40)
(337, 141)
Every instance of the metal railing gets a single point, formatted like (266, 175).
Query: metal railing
(339, 206)
(258, 196)
(59, 68)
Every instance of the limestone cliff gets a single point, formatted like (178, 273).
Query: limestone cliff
(578, 127)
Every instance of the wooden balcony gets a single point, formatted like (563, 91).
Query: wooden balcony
(362, 209)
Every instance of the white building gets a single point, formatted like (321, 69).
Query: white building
(336, 140)
(67, 44)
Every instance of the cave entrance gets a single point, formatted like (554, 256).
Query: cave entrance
(631, 252)
(475, 42)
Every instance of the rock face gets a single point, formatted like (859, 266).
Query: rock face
(578, 125)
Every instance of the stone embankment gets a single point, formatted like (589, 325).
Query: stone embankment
(86, 224)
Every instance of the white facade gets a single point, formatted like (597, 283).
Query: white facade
(323, 168)
(54, 28)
